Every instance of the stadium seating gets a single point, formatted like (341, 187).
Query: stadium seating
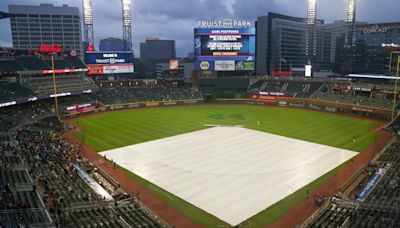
(351, 99)
(10, 66)
(381, 207)
(297, 88)
(395, 125)
(75, 62)
(145, 93)
(13, 91)
(32, 63)
(58, 64)
(44, 85)
(14, 116)
(39, 186)
(48, 192)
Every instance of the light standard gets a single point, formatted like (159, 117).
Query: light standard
(395, 88)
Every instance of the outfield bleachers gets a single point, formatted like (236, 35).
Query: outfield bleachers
(10, 66)
(75, 63)
(58, 64)
(297, 88)
(145, 93)
(70, 83)
(32, 63)
(351, 99)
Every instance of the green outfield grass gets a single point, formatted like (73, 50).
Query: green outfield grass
(116, 129)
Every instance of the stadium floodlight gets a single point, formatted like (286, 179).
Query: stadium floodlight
(88, 24)
(351, 11)
(310, 46)
(127, 24)
(311, 12)
(350, 20)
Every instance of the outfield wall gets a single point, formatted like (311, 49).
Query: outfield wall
(318, 105)
(136, 105)
(288, 102)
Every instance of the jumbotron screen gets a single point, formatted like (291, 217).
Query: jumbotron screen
(225, 49)
(109, 62)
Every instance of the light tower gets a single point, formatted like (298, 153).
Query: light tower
(350, 39)
(127, 24)
(88, 25)
(311, 35)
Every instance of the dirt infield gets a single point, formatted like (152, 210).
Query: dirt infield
(296, 216)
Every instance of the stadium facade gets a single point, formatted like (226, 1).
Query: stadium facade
(32, 26)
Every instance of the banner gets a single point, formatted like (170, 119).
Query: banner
(245, 66)
(43, 97)
(224, 65)
(118, 69)
(373, 181)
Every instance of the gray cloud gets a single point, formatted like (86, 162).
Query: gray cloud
(175, 19)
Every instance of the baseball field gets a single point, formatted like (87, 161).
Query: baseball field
(123, 128)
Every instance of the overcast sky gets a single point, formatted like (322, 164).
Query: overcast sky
(175, 19)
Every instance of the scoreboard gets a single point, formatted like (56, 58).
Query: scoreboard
(224, 49)
(109, 62)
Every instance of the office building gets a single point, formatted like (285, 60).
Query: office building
(112, 44)
(281, 43)
(375, 47)
(184, 71)
(155, 50)
(32, 26)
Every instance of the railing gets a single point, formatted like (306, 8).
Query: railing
(316, 213)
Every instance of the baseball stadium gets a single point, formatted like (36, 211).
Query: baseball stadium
(97, 139)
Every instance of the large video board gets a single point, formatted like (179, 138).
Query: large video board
(109, 62)
(225, 49)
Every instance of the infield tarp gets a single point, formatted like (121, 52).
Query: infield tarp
(232, 173)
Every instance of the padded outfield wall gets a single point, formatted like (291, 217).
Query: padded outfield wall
(288, 102)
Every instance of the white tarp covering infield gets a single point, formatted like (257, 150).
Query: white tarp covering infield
(232, 173)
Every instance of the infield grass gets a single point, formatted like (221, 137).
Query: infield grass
(117, 129)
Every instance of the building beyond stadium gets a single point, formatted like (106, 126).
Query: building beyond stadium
(375, 52)
(32, 26)
(281, 47)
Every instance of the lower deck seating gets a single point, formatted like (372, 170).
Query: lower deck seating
(380, 209)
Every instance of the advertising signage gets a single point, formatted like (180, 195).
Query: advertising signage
(109, 62)
(45, 48)
(109, 58)
(43, 97)
(232, 48)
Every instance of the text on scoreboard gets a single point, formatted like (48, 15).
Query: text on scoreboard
(109, 63)
(221, 49)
